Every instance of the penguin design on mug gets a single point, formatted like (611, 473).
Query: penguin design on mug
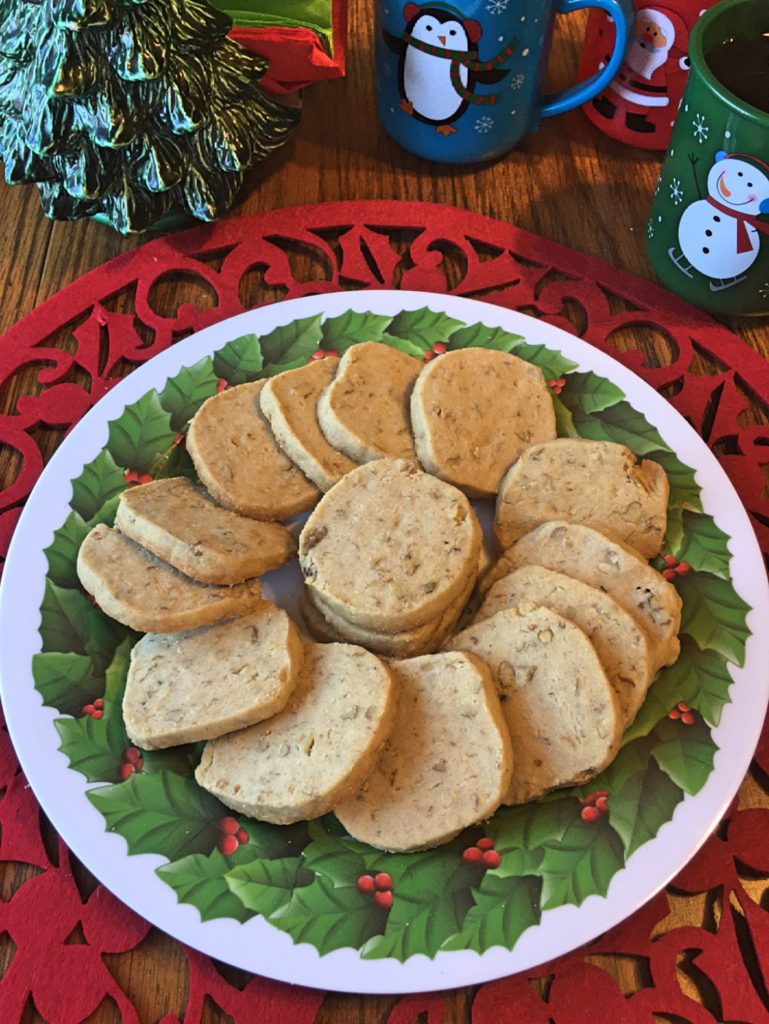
(438, 67)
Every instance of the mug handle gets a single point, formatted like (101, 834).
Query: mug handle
(622, 13)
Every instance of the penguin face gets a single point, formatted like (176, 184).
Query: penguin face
(737, 183)
(440, 29)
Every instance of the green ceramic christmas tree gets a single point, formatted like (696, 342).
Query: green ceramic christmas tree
(129, 110)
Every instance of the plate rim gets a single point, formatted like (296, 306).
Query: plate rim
(419, 973)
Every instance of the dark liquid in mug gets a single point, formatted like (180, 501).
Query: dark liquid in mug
(742, 65)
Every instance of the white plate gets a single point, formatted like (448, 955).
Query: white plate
(257, 945)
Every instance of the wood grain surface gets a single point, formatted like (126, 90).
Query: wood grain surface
(568, 183)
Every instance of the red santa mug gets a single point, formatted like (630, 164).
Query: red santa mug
(640, 104)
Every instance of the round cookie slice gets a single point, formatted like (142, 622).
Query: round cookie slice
(563, 714)
(288, 401)
(389, 548)
(473, 411)
(179, 522)
(186, 687)
(364, 412)
(239, 461)
(603, 562)
(145, 593)
(622, 645)
(447, 764)
(317, 750)
(599, 483)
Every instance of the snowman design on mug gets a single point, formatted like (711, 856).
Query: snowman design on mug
(720, 235)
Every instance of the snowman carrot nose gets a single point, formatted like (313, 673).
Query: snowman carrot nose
(442, 40)
(722, 187)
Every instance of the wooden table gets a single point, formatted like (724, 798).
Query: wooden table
(568, 183)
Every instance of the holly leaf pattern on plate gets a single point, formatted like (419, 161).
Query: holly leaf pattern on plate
(703, 545)
(423, 327)
(641, 796)
(698, 678)
(588, 393)
(553, 364)
(239, 361)
(684, 752)
(714, 615)
(200, 879)
(161, 813)
(61, 554)
(70, 623)
(94, 746)
(265, 886)
(581, 863)
(184, 394)
(564, 421)
(404, 345)
(143, 429)
(341, 332)
(291, 346)
(100, 480)
(66, 681)
(684, 489)
(520, 832)
(503, 908)
(329, 916)
(480, 336)
(622, 424)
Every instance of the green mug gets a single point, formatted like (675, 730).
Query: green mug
(710, 213)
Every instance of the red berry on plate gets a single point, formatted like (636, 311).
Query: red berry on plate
(589, 799)
(132, 754)
(684, 568)
(485, 843)
(221, 385)
(668, 574)
(439, 348)
(472, 855)
(688, 718)
(674, 714)
(602, 792)
(228, 825)
(138, 765)
(227, 845)
(383, 899)
(365, 884)
(126, 770)
(683, 707)
(590, 814)
(88, 709)
(602, 804)
(242, 836)
(670, 559)
(318, 354)
(99, 702)
(130, 476)
(491, 859)
(383, 881)
(331, 354)
(428, 356)
(97, 714)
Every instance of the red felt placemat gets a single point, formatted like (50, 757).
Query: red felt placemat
(74, 347)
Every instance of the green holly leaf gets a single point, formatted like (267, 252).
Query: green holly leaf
(161, 813)
(581, 863)
(329, 916)
(564, 421)
(184, 394)
(265, 886)
(503, 909)
(106, 513)
(70, 623)
(336, 857)
(431, 896)
(143, 430)
(183, 759)
(423, 327)
(341, 332)
(641, 796)
(66, 681)
(684, 752)
(480, 336)
(240, 361)
(174, 461)
(292, 345)
(403, 345)
(274, 841)
(61, 554)
(684, 489)
(588, 393)
(552, 364)
(622, 424)
(94, 747)
(519, 833)
(698, 678)
(100, 480)
(674, 531)
(714, 615)
(200, 880)
(703, 545)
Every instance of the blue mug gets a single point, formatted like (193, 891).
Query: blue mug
(461, 82)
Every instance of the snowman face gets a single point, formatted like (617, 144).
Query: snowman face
(450, 34)
(738, 184)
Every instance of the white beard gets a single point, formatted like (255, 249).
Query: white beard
(645, 61)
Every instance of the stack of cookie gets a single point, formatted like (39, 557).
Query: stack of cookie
(389, 558)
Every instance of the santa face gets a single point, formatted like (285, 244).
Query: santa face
(739, 185)
(653, 38)
(649, 34)
(449, 34)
